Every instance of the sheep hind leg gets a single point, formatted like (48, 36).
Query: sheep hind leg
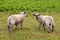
(52, 28)
(48, 25)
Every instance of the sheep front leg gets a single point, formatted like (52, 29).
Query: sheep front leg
(21, 25)
(16, 26)
(49, 29)
(39, 26)
(9, 28)
(52, 28)
(44, 26)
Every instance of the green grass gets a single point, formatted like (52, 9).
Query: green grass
(30, 5)
(30, 26)
(30, 29)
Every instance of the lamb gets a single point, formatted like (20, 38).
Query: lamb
(45, 21)
(15, 20)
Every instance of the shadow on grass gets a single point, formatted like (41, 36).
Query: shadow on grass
(23, 29)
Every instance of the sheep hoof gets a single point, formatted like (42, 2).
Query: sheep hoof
(9, 30)
(15, 28)
(52, 30)
(38, 29)
(44, 29)
(21, 28)
(48, 31)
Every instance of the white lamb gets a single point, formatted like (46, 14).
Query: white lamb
(15, 20)
(45, 21)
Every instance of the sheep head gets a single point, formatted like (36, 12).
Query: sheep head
(24, 13)
(36, 15)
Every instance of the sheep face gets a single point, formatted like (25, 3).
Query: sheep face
(36, 15)
(24, 13)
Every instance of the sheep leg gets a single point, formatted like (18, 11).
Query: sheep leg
(49, 29)
(9, 28)
(52, 28)
(48, 25)
(16, 27)
(44, 26)
(39, 26)
(21, 25)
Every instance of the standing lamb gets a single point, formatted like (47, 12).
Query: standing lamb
(15, 20)
(45, 21)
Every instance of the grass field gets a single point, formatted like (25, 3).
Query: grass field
(30, 5)
(30, 26)
(30, 29)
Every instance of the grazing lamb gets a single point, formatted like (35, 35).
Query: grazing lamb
(15, 20)
(45, 21)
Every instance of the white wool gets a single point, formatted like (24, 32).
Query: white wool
(45, 19)
(48, 20)
(16, 18)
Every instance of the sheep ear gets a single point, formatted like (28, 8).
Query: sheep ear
(39, 14)
(24, 12)
(33, 14)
